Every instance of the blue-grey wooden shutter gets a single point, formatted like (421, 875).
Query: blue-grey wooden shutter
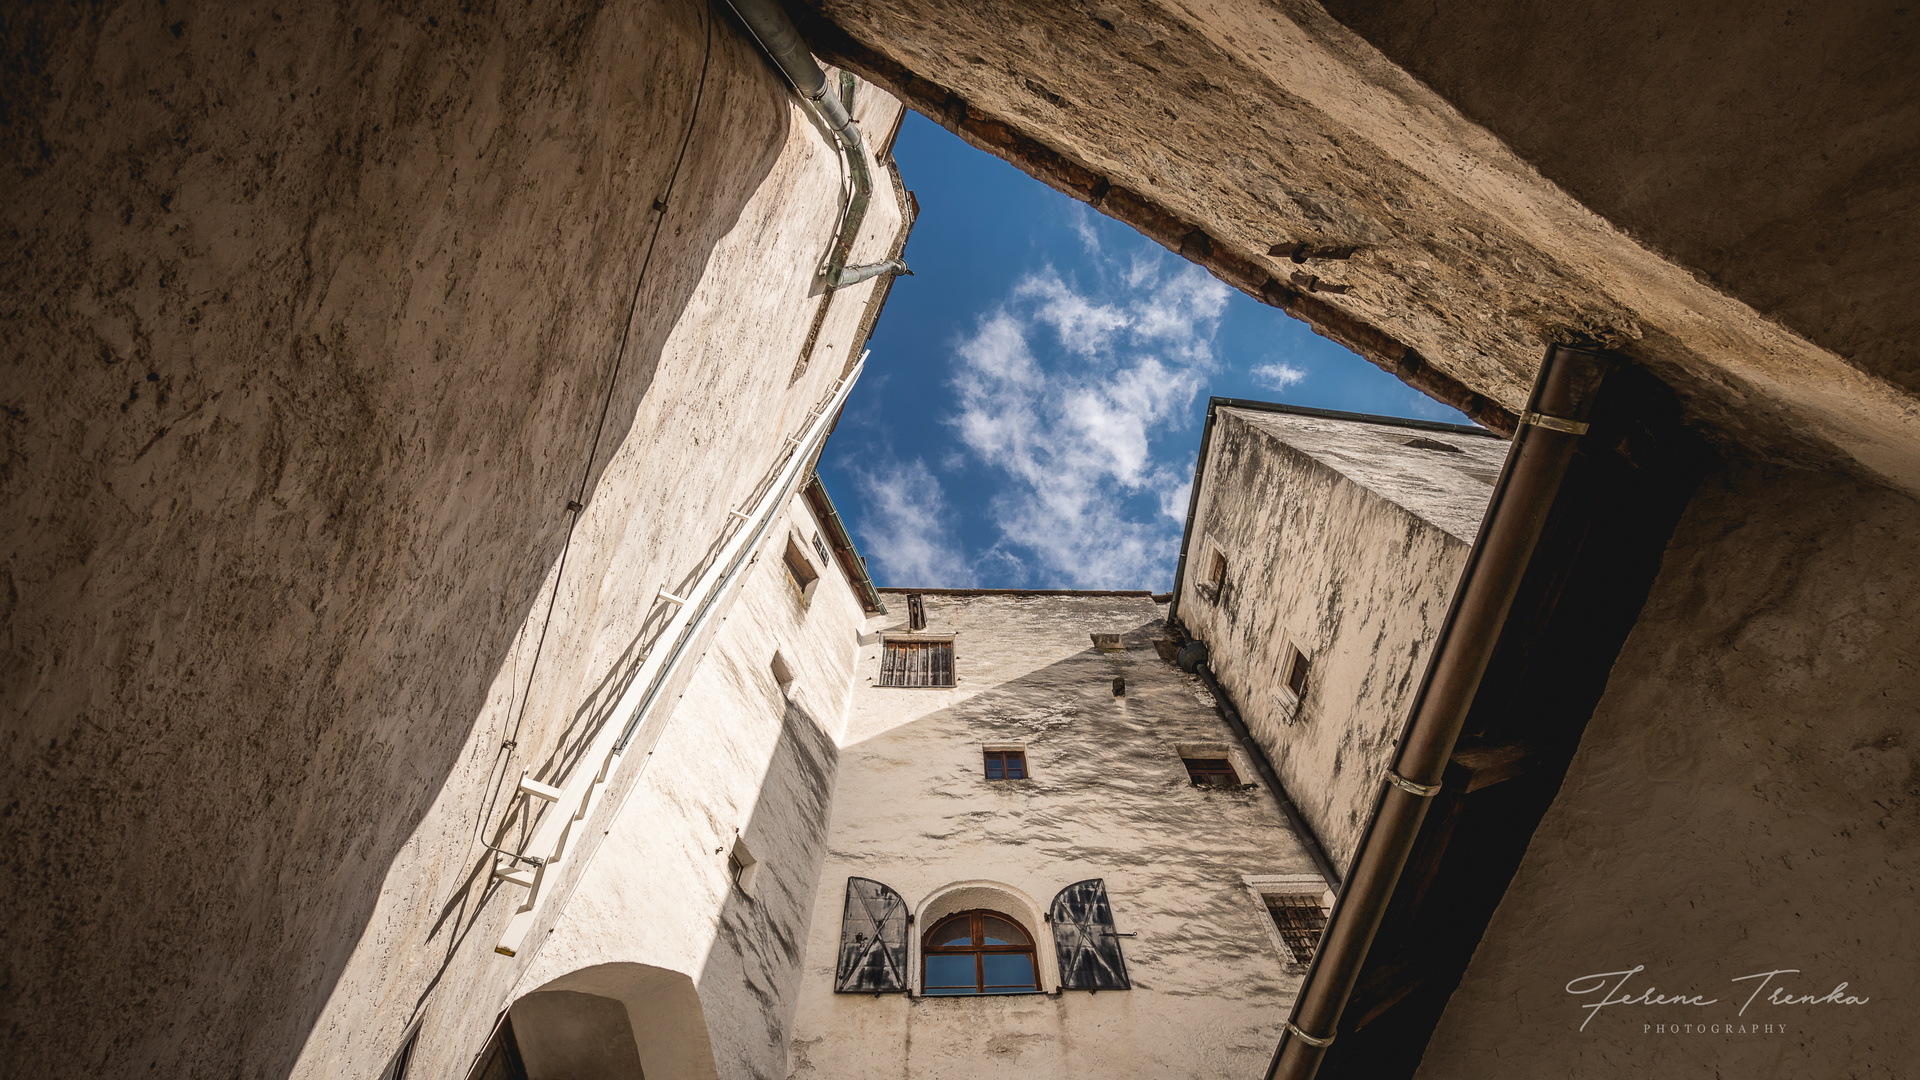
(1084, 939)
(873, 940)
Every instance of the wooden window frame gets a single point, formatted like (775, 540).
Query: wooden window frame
(978, 949)
(1006, 755)
(904, 675)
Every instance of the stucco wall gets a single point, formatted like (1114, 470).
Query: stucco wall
(1746, 799)
(740, 758)
(317, 313)
(1346, 543)
(1108, 798)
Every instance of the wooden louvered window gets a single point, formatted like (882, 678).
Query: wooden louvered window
(978, 952)
(1301, 920)
(916, 662)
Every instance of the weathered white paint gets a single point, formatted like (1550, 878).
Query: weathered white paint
(1108, 799)
(1344, 542)
(740, 761)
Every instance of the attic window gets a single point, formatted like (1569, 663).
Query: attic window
(1432, 444)
(820, 549)
(916, 662)
(916, 611)
(1210, 772)
(1217, 570)
(1301, 920)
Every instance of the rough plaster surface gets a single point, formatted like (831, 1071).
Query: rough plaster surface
(1346, 543)
(1108, 799)
(1264, 123)
(739, 759)
(314, 315)
(1746, 799)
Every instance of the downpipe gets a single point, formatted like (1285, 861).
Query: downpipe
(1550, 427)
(781, 41)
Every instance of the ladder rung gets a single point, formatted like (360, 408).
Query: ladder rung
(539, 790)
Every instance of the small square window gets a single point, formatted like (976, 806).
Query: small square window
(1298, 666)
(1211, 772)
(1301, 920)
(916, 663)
(800, 573)
(820, 549)
(1006, 764)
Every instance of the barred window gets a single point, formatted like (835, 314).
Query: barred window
(916, 662)
(1301, 920)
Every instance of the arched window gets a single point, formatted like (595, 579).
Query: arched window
(978, 952)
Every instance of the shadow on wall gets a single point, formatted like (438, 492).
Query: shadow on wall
(367, 276)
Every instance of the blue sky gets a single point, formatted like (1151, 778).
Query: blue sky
(1031, 410)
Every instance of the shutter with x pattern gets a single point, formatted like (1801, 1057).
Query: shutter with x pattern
(1085, 941)
(873, 940)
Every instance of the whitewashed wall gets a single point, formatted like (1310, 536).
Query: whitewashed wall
(1342, 540)
(1108, 799)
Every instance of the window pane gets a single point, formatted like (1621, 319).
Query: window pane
(1001, 932)
(951, 975)
(1016, 767)
(994, 770)
(1008, 971)
(957, 932)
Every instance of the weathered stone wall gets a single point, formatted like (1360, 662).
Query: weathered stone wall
(1108, 798)
(1746, 799)
(1747, 228)
(739, 759)
(314, 320)
(1346, 543)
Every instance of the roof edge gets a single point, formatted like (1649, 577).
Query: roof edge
(1338, 414)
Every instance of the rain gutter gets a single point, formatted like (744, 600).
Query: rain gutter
(1555, 417)
(837, 538)
(780, 40)
(1193, 658)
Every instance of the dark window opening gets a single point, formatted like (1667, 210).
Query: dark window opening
(1211, 772)
(916, 663)
(978, 952)
(1006, 764)
(1217, 571)
(916, 611)
(1297, 674)
(1301, 920)
(1433, 444)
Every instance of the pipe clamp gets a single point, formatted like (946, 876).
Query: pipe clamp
(1553, 423)
(1320, 1044)
(1424, 791)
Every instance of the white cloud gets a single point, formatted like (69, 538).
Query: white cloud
(906, 529)
(1076, 439)
(1082, 221)
(1278, 375)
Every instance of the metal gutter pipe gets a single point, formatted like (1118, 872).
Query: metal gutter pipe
(1192, 657)
(781, 41)
(1550, 427)
(842, 543)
